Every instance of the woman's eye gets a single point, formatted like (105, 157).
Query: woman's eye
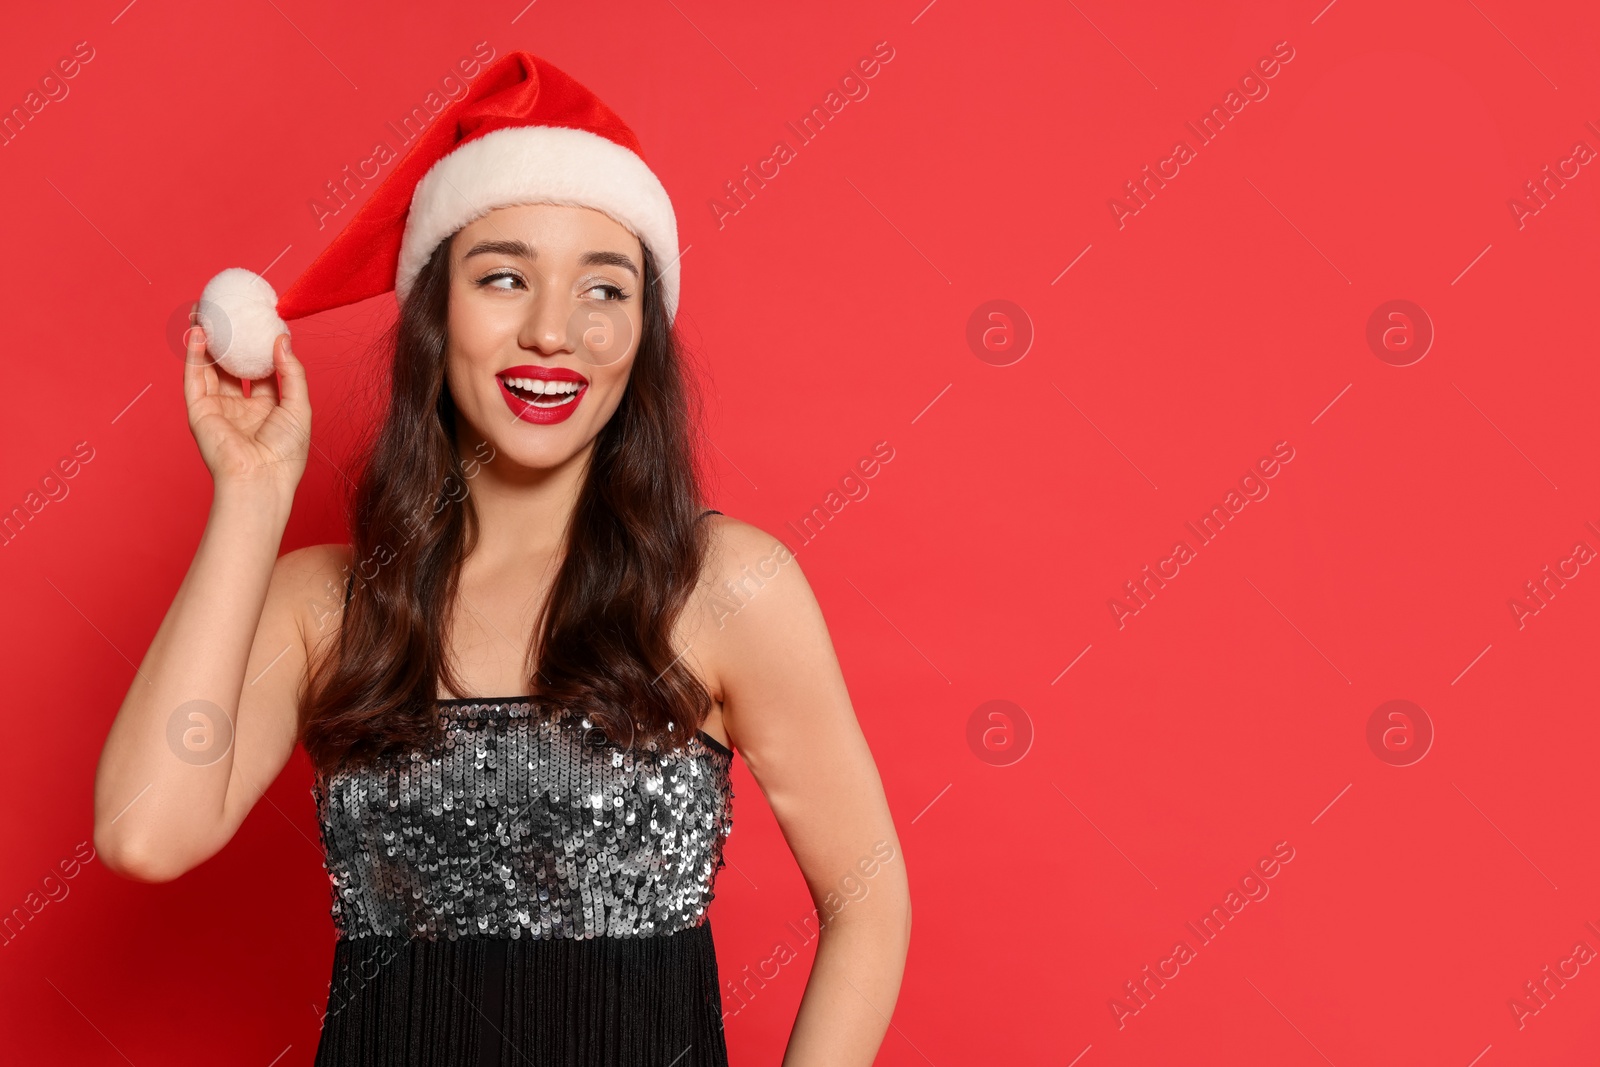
(615, 291)
(490, 280)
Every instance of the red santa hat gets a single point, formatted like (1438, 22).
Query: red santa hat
(523, 133)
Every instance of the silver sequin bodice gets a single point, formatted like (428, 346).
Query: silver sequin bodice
(520, 826)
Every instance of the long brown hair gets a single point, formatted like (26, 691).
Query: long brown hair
(602, 646)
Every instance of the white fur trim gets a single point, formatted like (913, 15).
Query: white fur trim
(539, 165)
(239, 312)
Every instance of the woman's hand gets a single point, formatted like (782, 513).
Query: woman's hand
(257, 440)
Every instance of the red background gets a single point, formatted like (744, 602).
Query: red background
(832, 311)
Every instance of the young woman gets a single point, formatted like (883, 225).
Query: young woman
(522, 684)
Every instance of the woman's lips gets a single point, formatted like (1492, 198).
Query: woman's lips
(529, 412)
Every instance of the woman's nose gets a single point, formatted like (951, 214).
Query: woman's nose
(547, 326)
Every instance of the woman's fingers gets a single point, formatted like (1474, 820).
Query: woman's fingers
(195, 360)
(264, 388)
(203, 374)
(291, 375)
(268, 387)
(227, 384)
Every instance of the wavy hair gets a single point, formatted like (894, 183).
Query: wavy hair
(602, 645)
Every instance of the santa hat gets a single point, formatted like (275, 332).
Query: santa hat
(523, 133)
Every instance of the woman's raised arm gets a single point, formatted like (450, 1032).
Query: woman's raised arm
(211, 715)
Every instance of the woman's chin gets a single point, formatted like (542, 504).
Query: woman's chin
(516, 453)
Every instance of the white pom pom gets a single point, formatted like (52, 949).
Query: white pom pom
(239, 312)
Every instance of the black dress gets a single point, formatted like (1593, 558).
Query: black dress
(526, 894)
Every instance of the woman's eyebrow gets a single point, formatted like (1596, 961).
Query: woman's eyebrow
(502, 248)
(525, 251)
(615, 259)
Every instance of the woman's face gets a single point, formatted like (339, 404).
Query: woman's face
(545, 316)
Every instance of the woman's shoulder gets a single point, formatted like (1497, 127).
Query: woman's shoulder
(315, 562)
(737, 547)
(753, 609)
(746, 566)
(313, 577)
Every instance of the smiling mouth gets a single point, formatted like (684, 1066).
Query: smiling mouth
(543, 392)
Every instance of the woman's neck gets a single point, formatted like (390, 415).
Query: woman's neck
(524, 512)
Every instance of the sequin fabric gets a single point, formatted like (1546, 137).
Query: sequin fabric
(520, 825)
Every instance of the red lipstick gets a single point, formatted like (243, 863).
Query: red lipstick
(534, 395)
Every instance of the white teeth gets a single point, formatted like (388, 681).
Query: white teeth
(542, 386)
(558, 392)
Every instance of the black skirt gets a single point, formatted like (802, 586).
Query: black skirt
(525, 1002)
